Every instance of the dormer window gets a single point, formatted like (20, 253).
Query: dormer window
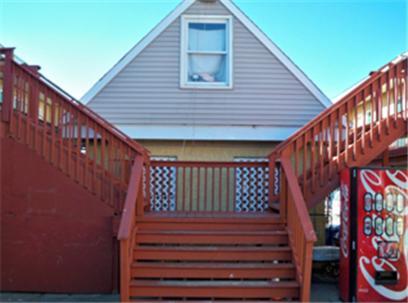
(206, 52)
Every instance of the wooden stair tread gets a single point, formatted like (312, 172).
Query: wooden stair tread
(215, 284)
(209, 216)
(247, 249)
(199, 265)
(214, 232)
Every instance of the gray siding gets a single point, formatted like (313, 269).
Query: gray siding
(147, 91)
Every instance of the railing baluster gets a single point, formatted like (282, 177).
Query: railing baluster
(372, 115)
(388, 98)
(304, 166)
(199, 206)
(321, 155)
(347, 138)
(363, 129)
(331, 145)
(355, 130)
(184, 189)
(312, 161)
(213, 189)
(380, 108)
(219, 189)
(191, 189)
(27, 119)
(53, 130)
(228, 199)
(296, 155)
(395, 87)
(205, 188)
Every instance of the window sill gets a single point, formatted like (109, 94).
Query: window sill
(206, 86)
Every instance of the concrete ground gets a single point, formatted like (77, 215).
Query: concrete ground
(321, 292)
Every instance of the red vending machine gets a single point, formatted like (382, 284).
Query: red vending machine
(374, 235)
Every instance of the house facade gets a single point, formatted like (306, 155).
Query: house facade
(206, 84)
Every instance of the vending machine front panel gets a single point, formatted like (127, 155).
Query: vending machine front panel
(377, 242)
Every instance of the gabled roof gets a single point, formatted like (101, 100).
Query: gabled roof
(182, 7)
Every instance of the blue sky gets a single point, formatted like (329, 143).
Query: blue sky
(335, 42)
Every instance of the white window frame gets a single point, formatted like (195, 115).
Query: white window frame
(185, 20)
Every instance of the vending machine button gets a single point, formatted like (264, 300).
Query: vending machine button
(389, 202)
(389, 226)
(400, 203)
(379, 200)
(379, 226)
(368, 225)
(368, 202)
(400, 226)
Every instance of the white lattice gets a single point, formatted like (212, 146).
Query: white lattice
(252, 193)
(163, 187)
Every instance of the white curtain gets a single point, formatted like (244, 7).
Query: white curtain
(207, 38)
(207, 68)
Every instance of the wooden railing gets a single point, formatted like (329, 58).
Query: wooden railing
(351, 132)
(127, 230)
(66, 133)
(354, 131)
(300, 228)
(199, 187)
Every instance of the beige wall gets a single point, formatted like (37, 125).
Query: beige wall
(208, 150)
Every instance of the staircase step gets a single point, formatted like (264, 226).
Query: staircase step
(213, 270)
(214, 289)
(282, 253)
(212, 237)
(211, 226)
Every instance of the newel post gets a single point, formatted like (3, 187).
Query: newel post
(7, 105)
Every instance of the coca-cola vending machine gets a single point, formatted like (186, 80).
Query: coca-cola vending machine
(374, 235)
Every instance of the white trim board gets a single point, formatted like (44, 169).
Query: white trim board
(205, 133)
(176, 13)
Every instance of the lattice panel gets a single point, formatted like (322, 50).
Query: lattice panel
(277, 180)
(163, 187)
(252, 192)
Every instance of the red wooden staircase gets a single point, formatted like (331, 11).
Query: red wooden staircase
(217, 231)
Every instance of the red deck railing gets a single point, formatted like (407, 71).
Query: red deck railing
(354, 131)
(351, 132)
(66, 133)
(212, 187)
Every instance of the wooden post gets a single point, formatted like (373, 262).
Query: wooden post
(307, 272)
(124, 271)
(7, 105)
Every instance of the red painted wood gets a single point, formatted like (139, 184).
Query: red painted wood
(55, 235)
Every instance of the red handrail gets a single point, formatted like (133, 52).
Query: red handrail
(374, 76)
(128, 227)
(66, 133)
(348, 129)
(300, 229)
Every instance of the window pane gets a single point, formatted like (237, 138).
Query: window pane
(206, 37)
(207, 68)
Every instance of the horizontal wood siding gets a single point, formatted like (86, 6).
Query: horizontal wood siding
(147, 91)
